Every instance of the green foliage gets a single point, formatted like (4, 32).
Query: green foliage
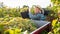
(56, 29)
(44, 32)
(16, 22)
(55, 1)
(56, 5)
(32, 10)
(12, 12)
(55, 8)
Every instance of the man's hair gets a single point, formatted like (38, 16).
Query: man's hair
(25, 6)
(40, 9)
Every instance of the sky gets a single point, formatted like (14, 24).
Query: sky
(16, 3)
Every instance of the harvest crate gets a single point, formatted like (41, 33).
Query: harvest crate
(42, 25)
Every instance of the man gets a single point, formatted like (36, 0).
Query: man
(37, 13)
(25, 12)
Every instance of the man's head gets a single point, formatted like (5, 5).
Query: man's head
(38, 9)
(26, 8)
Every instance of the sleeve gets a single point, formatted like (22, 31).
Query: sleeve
(33, 16)
(41, 16)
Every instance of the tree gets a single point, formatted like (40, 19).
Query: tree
(56, 5)
(56, 23)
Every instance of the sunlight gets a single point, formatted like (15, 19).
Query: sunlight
(16, 3)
